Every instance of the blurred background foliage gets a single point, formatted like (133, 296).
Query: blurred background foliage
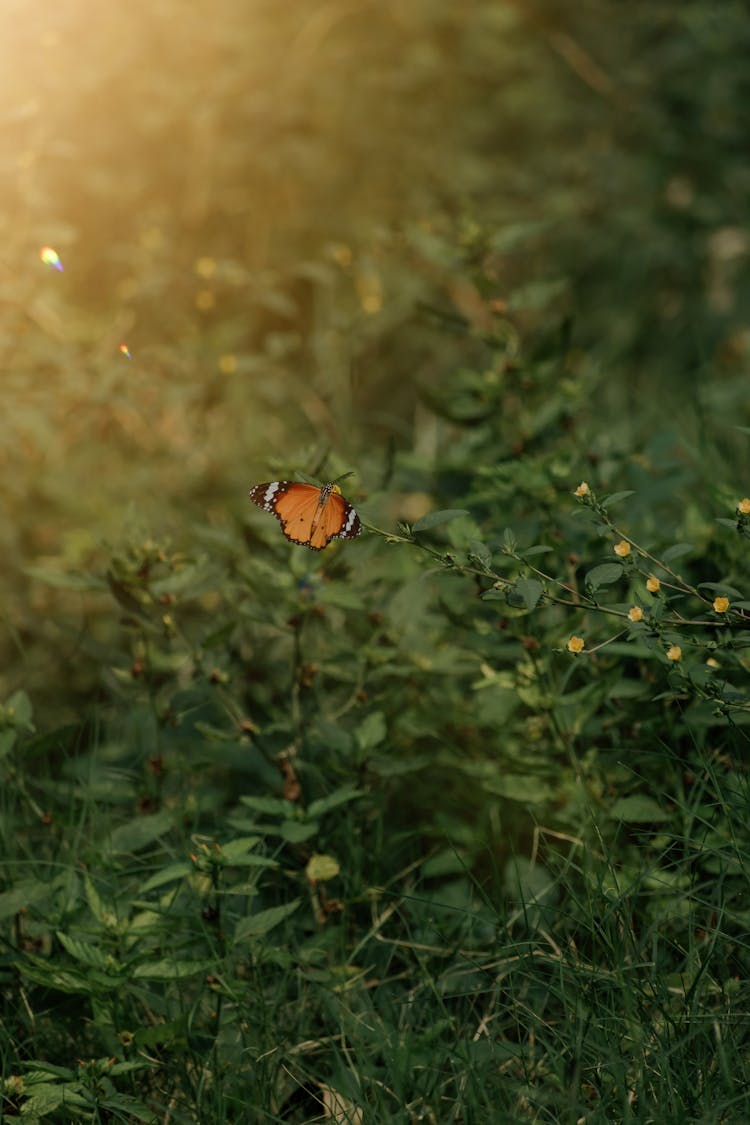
(308, 221)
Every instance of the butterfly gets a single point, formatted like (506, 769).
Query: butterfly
(309, 516)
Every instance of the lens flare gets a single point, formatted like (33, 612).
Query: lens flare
(50, 257)
(125, 350)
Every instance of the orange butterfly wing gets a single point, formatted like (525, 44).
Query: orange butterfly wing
(308, 515)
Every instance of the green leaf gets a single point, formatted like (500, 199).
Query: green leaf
(136, 1111)
(339, 797)
(297, 831)
(510, 543)
(529, 590)
(84, 952)
(18, 710)
(274, 806)
(433, 519)
(638, 809)
(727, 523)
(720, 588)
(238, 853)
(677, 551)
(235, 850)
(26, 893)
(616, 497)
(520, 787)
(481, 552)
(7, 741)
(97, 907)
(46, 1099)
(171, 970)
(258, 925)
(371, 731)
(603, 575)
(167, 875)
(539, 549)
(137, 833)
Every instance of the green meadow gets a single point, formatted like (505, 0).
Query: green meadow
(448, 823)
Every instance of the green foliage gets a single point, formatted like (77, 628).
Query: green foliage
(448, 823)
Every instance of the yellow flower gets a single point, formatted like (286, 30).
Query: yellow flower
(227, 364)
(652, 584)
(635, 614)
(622, 548)
(575, 645)
(721, 605)
(205, 267)
(674, 652)
(583, 490)
(744, 506)
(712, 663)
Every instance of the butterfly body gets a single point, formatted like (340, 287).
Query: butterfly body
(309, 516)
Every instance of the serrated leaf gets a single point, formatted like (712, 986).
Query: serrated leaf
(136, 1111)
(616, 497)
(45, 1099)
(39, 1069)
(170, 969)
(84, 952)
(434, 519)
(603, 575)
(260, 924)
(96, 905)
(510, 543)
(677, 551)
(480, 551)
(638, 809)
(321, 867)
(137, 833)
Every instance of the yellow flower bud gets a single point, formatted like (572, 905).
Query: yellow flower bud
(721, 605)
(635, 614)
(622, 548)
(744, 506)
(652, 584)
(583, 490)
(575, 645)
(674, 652)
